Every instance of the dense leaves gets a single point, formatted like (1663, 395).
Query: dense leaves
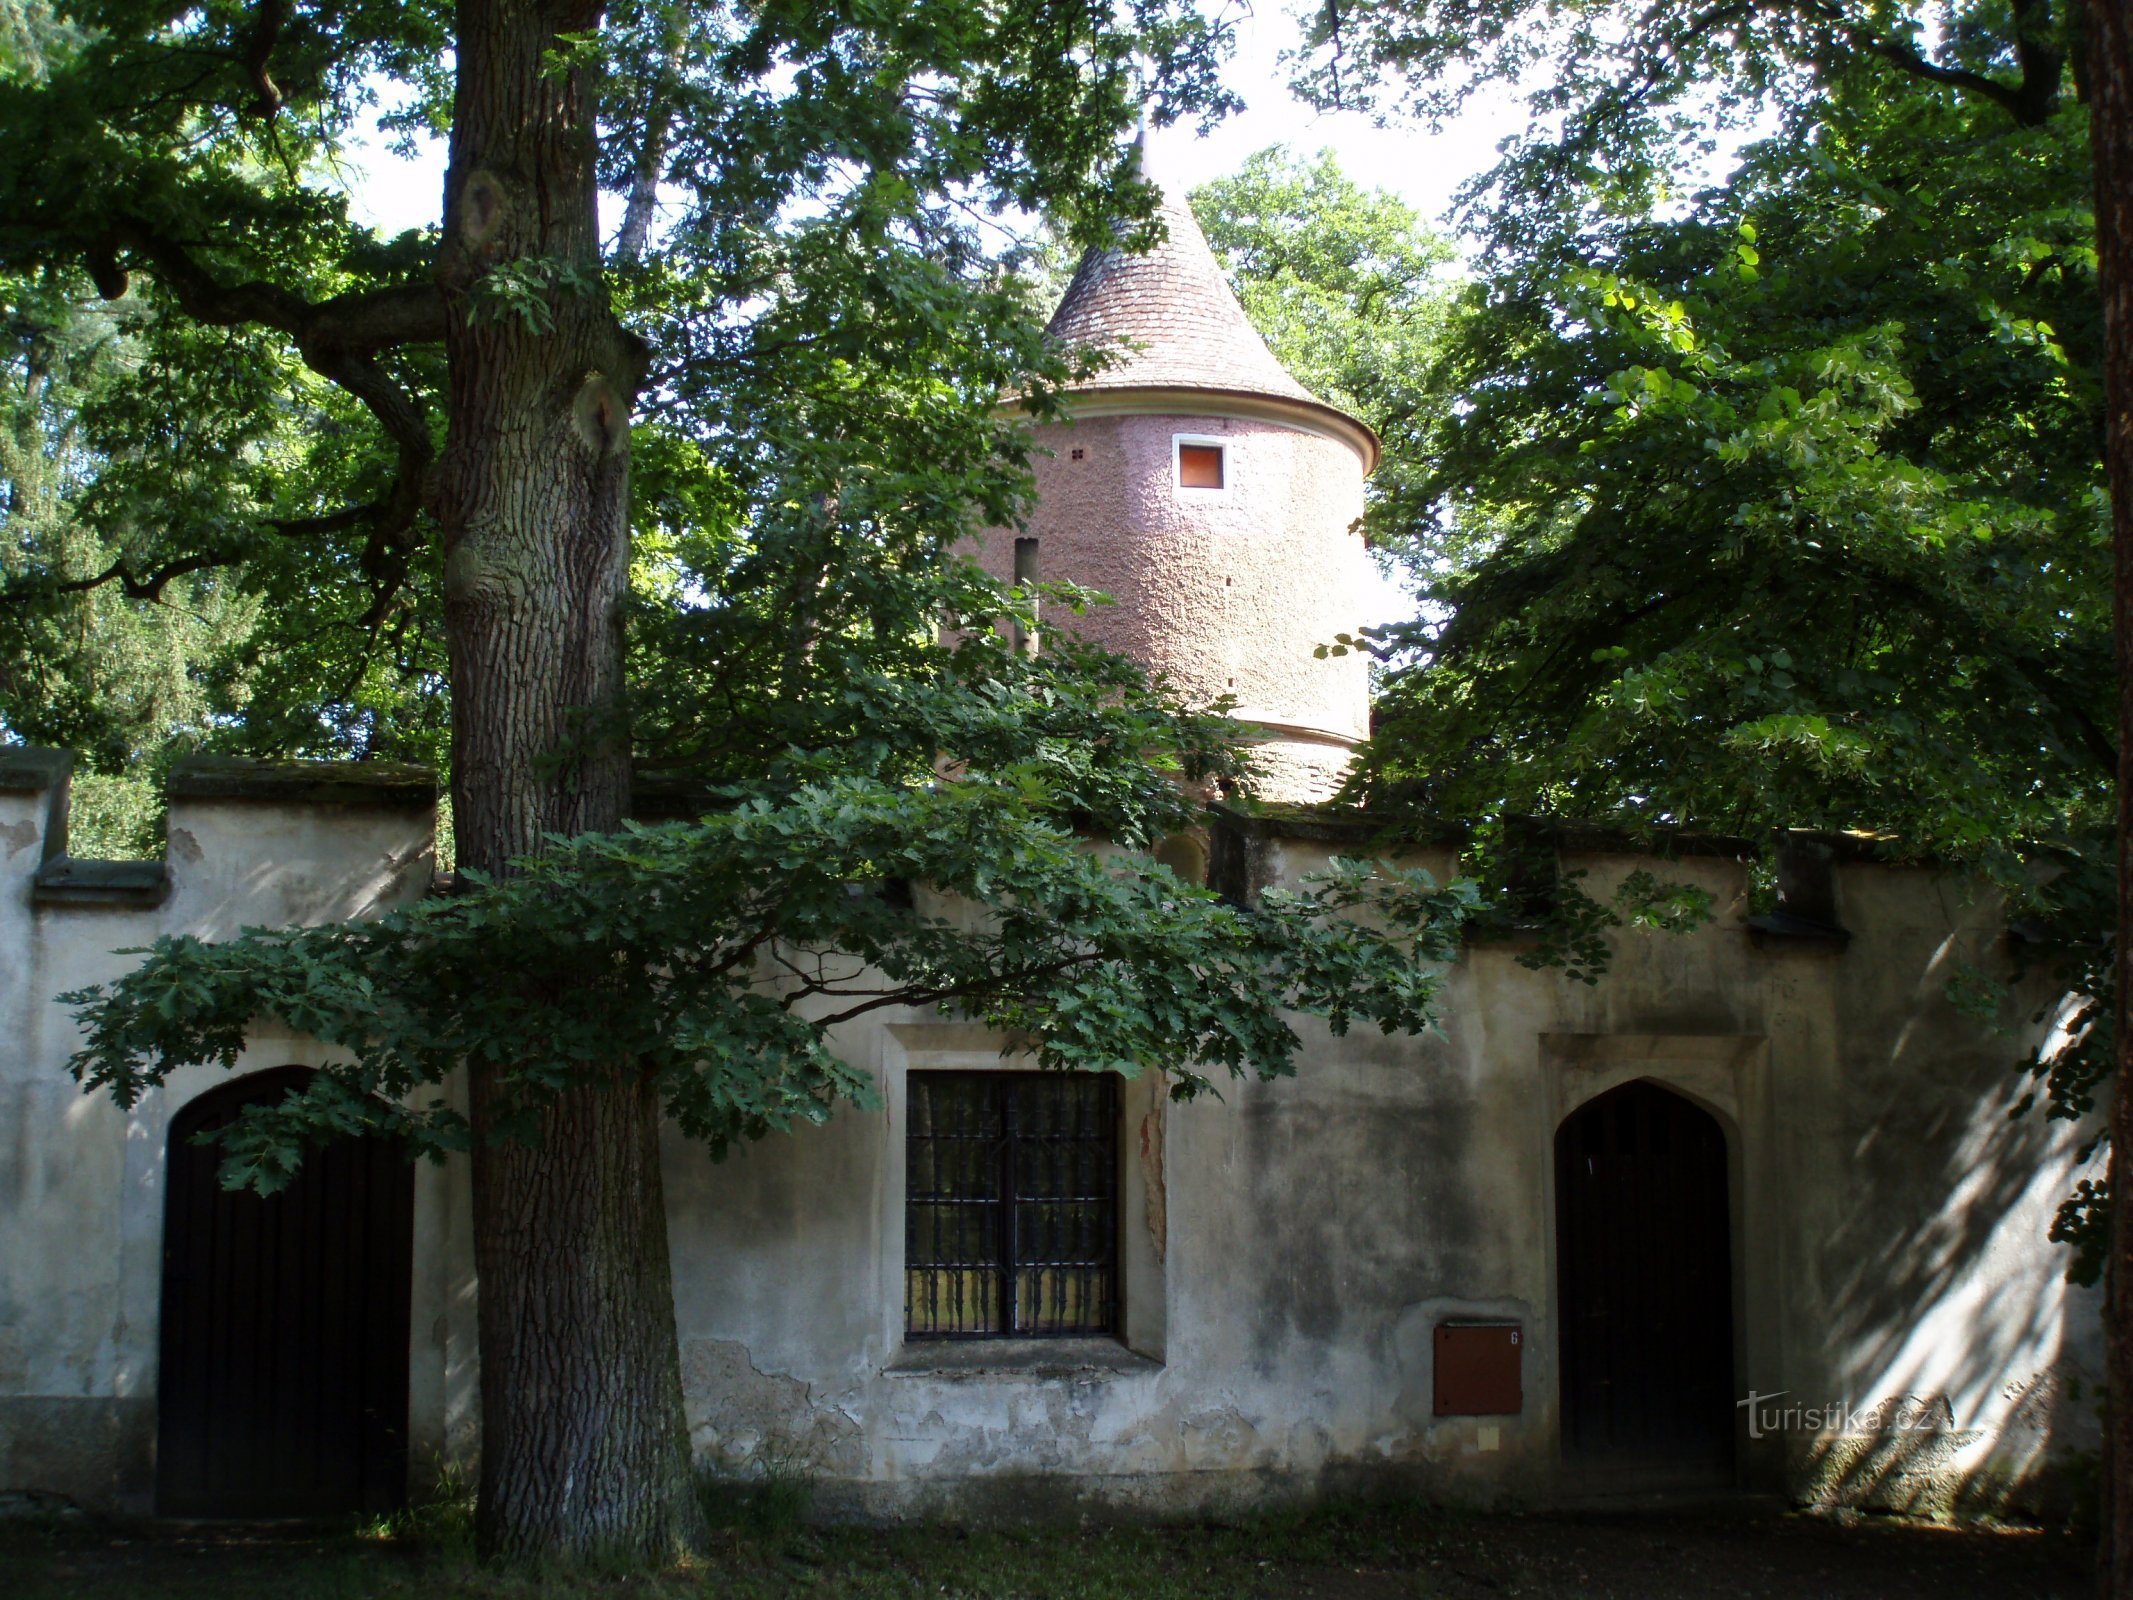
(1774, 501)
(807, 256)
(791, 385)
(1348, 286)
(721, 949)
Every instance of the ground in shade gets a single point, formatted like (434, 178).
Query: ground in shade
(1355, 1554)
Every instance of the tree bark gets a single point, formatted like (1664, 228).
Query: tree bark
(584, 1448)
(2110, 75)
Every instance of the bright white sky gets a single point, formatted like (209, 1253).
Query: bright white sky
(1422, 167)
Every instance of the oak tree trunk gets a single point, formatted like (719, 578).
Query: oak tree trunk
(2110, 85)
(584, 1452)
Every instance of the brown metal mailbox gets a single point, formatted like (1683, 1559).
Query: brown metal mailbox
(1478, 1369)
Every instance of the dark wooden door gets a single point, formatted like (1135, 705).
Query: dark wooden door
(1645, 1284)
(283, 1386)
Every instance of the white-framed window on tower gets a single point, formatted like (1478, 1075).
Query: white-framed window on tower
(1200, 464)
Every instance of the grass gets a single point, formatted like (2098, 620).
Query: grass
(764, 1550)
(761, 1550)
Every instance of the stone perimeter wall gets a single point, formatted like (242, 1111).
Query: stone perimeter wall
(1288, 1250)
(81, 1213)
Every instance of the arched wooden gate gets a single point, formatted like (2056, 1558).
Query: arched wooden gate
(1644, 1282)
(282, 1390)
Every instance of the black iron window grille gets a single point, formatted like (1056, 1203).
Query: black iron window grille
(1011, 1205)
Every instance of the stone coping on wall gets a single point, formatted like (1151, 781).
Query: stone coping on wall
(1804, 920)
(404, 785)
(32, 769)
(64, 880)
(1335, 824)
(394, 785)
(1240, 833)
(386, 785)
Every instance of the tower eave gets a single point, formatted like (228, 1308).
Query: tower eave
(1154, 400)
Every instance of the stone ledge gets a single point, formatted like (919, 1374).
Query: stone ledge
(1018, 1359)
(31, 769)
(130, 885)
(383, 785)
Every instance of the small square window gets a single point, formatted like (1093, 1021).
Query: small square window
(1011, 1209)
(1199, 466)
(1078, 454)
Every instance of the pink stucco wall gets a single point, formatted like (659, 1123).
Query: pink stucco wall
(1227, 593)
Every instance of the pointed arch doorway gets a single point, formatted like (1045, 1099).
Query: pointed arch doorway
(282, 1384)
(1645, 1284)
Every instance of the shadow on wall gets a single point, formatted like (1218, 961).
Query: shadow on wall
(1957, 1348)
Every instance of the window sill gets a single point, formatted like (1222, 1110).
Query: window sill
(1018, 1359)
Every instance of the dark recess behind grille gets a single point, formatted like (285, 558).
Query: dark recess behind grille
(1011, 1205)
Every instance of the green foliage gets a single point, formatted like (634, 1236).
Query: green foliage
(148, 607)
(722, 949)
(115, 676)
(1775, 501)
(1822, 544)
(116, 817)
(1628, 98)
(823, 324)
(439, 1522)
(1346, 284)
(827, 340)
(770, 1501)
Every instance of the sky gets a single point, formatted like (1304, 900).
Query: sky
(1424, 168)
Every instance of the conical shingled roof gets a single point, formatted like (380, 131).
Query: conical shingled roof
(1169, 318)
(1170, 322)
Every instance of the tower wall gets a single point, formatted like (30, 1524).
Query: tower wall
(1225, 592)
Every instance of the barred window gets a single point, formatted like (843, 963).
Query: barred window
(1011, 1205)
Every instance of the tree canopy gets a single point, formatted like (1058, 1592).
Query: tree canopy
(1772, 499)
(1347, 285)
(679, 498)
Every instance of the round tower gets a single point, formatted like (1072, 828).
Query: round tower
(1215, 499)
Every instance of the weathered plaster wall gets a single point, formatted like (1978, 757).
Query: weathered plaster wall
(1889, 1241)
(1287, 1250)
(1229, 592)
(81, 1216)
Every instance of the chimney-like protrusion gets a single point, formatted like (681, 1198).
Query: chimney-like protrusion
(1026, 581)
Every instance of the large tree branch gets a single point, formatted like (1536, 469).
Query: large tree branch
(2031, 102)
(391, 543)
(365, 321)
(341, 339)
(1905, 59)
(259, 55)
(137, 586)
(1015, 981)
(643, 206)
